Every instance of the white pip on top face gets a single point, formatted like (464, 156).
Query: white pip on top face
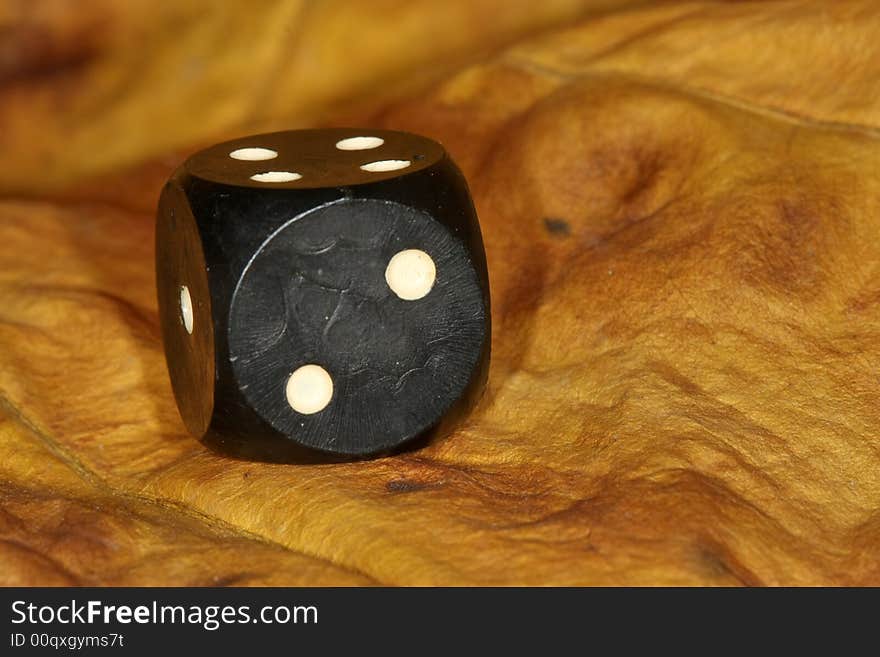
(359, 143)
(253, 154)
(410, 274)
(276, 176)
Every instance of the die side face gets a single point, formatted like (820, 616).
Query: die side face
(185, 309)
(357, 323)
(317, 294)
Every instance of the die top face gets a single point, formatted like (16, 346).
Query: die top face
(311, 159)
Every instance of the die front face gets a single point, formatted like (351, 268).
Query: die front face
(342, 279)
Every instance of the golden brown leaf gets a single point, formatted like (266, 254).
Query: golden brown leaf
(681, 208)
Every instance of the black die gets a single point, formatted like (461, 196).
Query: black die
(322, 293)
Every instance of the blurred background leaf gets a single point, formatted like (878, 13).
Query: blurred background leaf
(90, 85)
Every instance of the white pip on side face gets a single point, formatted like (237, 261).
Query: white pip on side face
(309, 389)
(411, 274)
(186, 309)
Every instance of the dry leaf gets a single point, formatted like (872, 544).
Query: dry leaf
(681, 207)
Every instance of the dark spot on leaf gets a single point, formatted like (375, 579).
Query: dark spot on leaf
(557, 227)
(232, 579)
(31, 52)
(407, 486)
(717, 562)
